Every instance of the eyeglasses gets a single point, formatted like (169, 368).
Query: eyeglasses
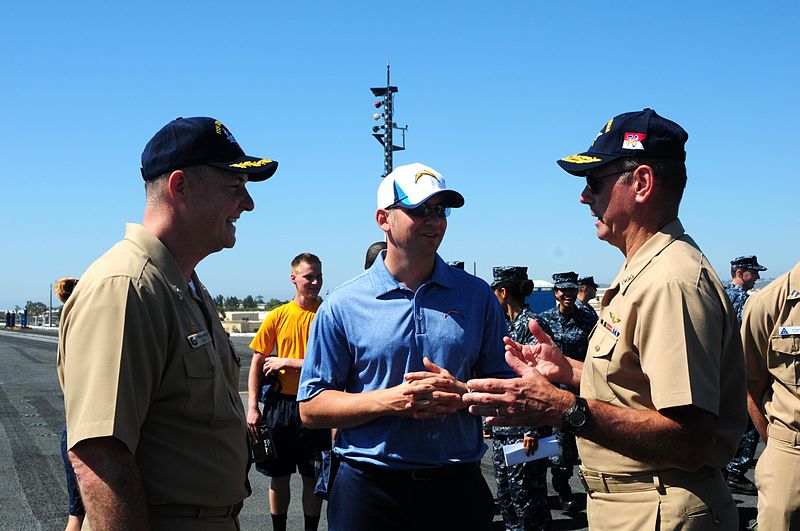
(595, 182)
(424, 210)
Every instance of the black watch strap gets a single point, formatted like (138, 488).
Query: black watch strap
(576, 417)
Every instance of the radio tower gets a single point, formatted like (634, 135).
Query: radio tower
(385, 138)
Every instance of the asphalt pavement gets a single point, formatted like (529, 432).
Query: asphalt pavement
(33, 492)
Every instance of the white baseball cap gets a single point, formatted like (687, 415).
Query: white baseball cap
(411, 185)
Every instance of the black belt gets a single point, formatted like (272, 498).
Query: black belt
(194, 511)
(416, 474)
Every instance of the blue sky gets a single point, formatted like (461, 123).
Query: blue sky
(493, 93)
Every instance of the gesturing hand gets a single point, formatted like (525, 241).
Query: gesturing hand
(545, 356)
(526, 401)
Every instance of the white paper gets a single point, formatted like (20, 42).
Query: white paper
(515, 453)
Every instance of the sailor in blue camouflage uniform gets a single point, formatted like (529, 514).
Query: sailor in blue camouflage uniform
(587, 291)
(569, 325)
(522, 488)
(744, 274)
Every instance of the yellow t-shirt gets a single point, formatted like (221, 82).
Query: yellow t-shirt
(285, 328)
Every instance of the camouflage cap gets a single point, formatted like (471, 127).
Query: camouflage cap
(587, 281)
(508, 274)
(565, 280)
(747, 262)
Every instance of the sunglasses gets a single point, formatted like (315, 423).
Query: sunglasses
(595, 182)
(424, 210)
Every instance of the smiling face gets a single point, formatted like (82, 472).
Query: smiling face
(307, 278)
(415, 235)
(566, 299)
(218, 198)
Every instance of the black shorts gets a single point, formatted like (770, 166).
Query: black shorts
(296, 447)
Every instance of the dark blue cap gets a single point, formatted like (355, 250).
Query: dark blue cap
(565, 280)
(458, 264)
(747, 262)
(632, 134)
(587, 281)
(508, 274)
(186, 142)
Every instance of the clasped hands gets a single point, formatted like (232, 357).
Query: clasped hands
(431, 394)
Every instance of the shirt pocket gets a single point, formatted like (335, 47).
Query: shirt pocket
(783, 359)
(200, 373)
(601, 353)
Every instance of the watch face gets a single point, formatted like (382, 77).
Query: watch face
(577, 418)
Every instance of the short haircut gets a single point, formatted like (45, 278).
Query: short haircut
(372, 253)
(670, 173)
(308, 258)
(734, 269)
(64, 288)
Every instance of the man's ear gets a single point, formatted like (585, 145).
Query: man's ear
(643, 183)
(382, 218)
(177, 184)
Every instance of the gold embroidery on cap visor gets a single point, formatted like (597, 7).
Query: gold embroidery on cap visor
(581, 159)
(424, 172)
(251, 163)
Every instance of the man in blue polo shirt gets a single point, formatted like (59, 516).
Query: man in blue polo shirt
(386, 361)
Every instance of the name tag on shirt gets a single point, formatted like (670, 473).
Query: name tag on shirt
(199, 339)
(789, 330)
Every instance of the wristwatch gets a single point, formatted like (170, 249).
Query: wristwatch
(577, 416)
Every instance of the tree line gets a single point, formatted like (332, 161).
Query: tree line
(249, 303)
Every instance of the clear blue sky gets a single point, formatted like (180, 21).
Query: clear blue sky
(493, 93)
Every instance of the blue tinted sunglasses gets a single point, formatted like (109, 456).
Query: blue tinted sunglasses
(424, 210)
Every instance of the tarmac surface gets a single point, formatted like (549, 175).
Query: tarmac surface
(33, 492)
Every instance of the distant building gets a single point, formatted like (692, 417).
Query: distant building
(243, 322)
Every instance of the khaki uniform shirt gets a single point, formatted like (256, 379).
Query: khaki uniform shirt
(771, 337)
(143, 359)
(666, 337)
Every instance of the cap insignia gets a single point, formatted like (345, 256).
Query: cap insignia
(633, 141)
(581, 159)
(424, 172)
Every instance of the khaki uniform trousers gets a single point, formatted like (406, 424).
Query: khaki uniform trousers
(663, 501)
(778, 481)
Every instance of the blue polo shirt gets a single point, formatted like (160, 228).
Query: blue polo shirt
(372, 330)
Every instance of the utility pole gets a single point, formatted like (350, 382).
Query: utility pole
(386, 137)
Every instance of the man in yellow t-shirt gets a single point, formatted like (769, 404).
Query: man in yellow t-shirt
(285, 331)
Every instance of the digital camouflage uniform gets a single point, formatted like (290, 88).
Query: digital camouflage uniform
(579, 303)
(737, 296)
(571, 334)
(522, 488)
(746, 453)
